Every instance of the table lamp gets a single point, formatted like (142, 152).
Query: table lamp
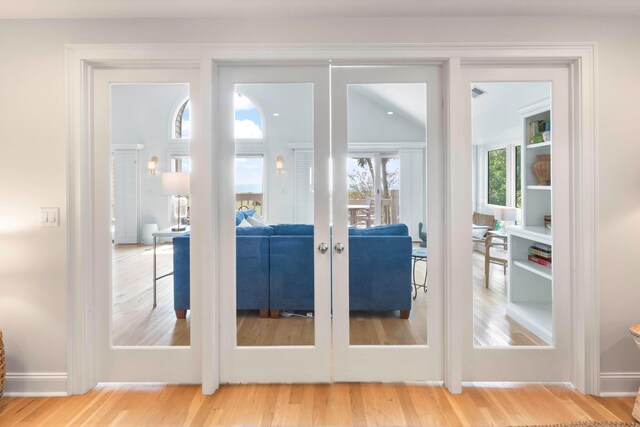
(176, 184)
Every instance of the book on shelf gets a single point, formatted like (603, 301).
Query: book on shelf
(543, 246)
(540, 261)
(540, 253)
(536, 129)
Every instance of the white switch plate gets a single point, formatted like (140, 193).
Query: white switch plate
(49, 217)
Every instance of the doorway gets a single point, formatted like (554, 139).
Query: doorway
(455, 241)
(329, 278)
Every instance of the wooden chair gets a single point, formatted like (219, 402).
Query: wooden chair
(483, 221)
(491, 239)
(365, 216)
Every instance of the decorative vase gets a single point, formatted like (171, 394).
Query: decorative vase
(546, 136)
(542, 169)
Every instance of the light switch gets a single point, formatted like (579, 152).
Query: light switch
(49, 217)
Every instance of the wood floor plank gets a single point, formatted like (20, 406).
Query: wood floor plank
(315, 404)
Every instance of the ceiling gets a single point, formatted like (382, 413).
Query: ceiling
(408, 99)
(114, 9)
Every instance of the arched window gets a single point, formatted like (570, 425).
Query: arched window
(182, 124)
(248, 122)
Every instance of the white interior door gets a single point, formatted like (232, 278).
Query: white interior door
(139, 363)
(275, 283)
(392, 115)
(125, 196)
(517, 318)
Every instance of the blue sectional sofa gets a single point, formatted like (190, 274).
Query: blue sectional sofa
(274, 269)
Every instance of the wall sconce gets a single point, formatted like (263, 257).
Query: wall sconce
(279, 164)
(153, 165)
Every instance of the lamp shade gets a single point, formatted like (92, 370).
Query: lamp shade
(506, 214)
(175, 183)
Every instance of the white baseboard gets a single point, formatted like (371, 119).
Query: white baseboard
(36, 384)
(619, 384)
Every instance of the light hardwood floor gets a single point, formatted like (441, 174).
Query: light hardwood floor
(136, 323)
(315, 404)
(491, 325)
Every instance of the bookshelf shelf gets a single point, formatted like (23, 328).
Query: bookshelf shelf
(539, 145)
(531, 266)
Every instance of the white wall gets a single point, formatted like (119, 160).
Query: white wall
(143, 114)
(33, 289)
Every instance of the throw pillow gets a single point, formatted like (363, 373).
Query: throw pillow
(244, 223)
(479, 232)
(239, 217)
(258, 217)
(254, 222)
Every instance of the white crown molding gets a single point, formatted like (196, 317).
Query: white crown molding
(223, 9)
(136, 147)
(535, 107)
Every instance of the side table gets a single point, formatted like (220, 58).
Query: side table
(167, 232)
(419, 254)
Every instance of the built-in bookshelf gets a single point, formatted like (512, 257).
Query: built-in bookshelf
(530, 294)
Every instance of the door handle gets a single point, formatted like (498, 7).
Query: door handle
(323, 248)
(339, 247)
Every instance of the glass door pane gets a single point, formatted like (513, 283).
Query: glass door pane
(384, 276)
(274, 246)
(502, 292)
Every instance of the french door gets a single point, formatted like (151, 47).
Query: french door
(139, 337)
(517, 307)
(324, 276)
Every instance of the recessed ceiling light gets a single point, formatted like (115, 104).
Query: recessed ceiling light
(276, 114)
(390, 113)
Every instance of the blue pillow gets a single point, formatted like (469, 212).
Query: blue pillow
(239, 218)
(248, 213)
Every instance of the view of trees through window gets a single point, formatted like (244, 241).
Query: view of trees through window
(361, 175)
(497, 177)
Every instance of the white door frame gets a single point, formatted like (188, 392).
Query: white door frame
(80, 59)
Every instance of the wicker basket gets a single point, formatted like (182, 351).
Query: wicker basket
(2, 365)
(635, 332)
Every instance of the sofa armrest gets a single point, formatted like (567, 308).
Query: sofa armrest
(380, 272)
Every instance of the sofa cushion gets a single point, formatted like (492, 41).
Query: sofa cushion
(293, 229)
(239, 218)
(381, 230)
(254, 231)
